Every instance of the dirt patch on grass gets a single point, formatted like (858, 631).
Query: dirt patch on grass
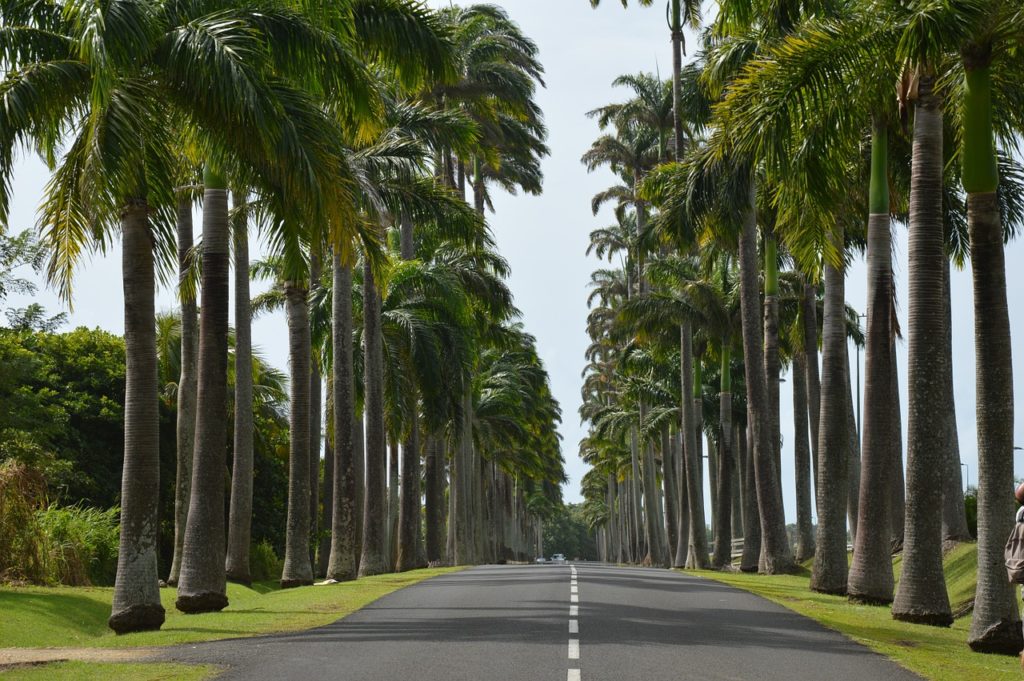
(21, 656)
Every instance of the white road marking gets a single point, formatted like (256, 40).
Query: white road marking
(574, 589)
(574, 675)
(574, 611)
(574, 626)
(574, 649)
(574, 598)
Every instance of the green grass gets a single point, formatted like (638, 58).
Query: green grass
(933, 652)
(41, 617)
(102, 671)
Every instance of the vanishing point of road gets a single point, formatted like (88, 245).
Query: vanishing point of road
(578, 622)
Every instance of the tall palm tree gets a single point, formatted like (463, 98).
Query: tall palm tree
(202, 582)
(186, 407)
(240, 514)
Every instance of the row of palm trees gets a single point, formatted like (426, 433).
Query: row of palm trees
(801, 132)
(347, 135)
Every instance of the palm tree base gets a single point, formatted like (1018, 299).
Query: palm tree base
(204, 601)
(868, 599)
(245, 580)
(1004, 638)
(292, 583)
(934, 619)
(148, 617)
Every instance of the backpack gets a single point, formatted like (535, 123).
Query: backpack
(1014, 554)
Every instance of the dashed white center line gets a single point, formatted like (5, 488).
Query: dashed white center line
(574, 649)
(574, 598)
(574, 611)
(574, 675)
(574, 589)
(574, 626)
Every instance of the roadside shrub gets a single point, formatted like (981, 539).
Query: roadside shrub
(43, 543)
(82, 543)
(264, 563)
(23, 553)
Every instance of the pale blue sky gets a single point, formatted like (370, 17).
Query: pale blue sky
(544, 238)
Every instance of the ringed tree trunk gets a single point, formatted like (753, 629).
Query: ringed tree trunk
(830, 568)
(315, 417)
(723, 506)
(240, 515)
(771, 344)
(373, 561)
(187, 386)
(897, 490)
(136, 605)
(697, 539)
(871, 578)
(323, 551)
(954, 516)
(202, 584)
(656, 555)
(802, 454)
(683, 524)
(751, 521)
(391, 539)
(852, 452)
(409, 509)
(921, 594)
(434, 474)
(809, 310)
(345, 546)
(995, 624)
(297, 568)
(668, 478)
(776, 556)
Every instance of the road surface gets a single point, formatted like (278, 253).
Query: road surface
(581, 622)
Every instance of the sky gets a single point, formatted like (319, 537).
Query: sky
(545, 237)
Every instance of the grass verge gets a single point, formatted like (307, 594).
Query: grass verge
(41, 617)
(933, 652)
(99, 671)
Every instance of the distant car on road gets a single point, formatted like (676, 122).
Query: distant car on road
(541, 559)
(558, 558)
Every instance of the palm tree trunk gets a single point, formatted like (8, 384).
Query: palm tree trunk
(434, 479)
(921, 594)
(345, 520)
(751, 520)
(409, 512)
(897, 488)
(802, 454)
(187, 387)
(830, 568)
(995, 624)
(809, 309)
(136, 605)
(871, 579)
(723, 502)
(359, 468)
(697, 539)
(323, 552)
(668, 477)
(298, 571)
(315, 419)
(240, 516)
(738, 442)
(373, 560)
(639, 546)
(683, 524)
(776, 556)
(202, 584)
(954, 516)
(771, 344)
(852, 452)
(391, 540)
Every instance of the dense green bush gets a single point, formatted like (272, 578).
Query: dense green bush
(264, 563)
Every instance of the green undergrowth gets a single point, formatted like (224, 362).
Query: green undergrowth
(104, 671)
(42, 617)
(935, 653)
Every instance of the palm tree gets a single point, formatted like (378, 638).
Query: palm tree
(240, 514)
(186, 407)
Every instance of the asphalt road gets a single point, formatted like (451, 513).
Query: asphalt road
(512, 623)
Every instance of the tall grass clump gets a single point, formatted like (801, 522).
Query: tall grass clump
(263, 562)
(45, 543)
